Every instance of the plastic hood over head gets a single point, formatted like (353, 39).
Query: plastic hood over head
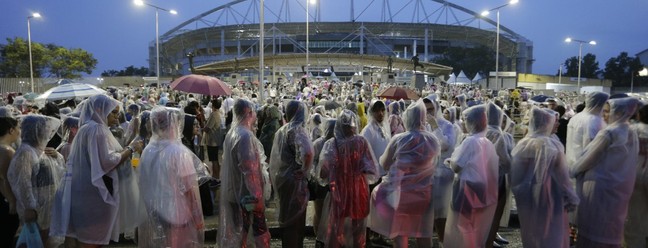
(541, 122)
(475, 119)
(166, 123)
(296, 112)
(622, 109)
(595, 101)
(415, 117)
(346, 125)
(495, 115)
(37, 130)
(97, 108)
(329, 128)
(241, 110)
(394, 109)
(461, 100)
(452, 113)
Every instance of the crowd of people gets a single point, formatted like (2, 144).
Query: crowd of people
(132, 163)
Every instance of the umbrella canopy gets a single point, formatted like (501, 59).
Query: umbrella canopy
(200, 84)
(330, 104)
(398, 93)
(540, 98)
(69, 91)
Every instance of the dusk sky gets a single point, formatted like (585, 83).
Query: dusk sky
(118, 33)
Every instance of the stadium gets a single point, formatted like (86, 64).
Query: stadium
(224, 41)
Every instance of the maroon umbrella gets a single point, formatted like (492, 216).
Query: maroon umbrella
(398, 93)
(199, 84)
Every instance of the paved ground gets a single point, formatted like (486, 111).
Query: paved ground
(512, 233)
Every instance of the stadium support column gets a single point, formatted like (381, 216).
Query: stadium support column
(261, 48)
(222, 41)
(425, 43)
(362, 36)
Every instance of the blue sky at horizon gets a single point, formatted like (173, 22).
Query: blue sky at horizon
(118, 33)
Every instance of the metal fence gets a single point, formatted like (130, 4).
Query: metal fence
(42, 84)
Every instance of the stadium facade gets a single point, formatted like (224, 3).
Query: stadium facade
(225, 40)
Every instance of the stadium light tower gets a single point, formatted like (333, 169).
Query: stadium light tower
(31, 67)
(157, 33)
(580, 57)
(485, 13)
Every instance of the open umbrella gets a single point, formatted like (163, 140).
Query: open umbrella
(69, 91)
(199, 84)
(398, 93)
(540, 98)
(330, 104)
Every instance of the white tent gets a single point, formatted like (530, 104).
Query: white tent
(452, 79)
(462, 78)
(477, 78)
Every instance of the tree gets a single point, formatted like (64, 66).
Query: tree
(128, 71)
(471, 60)
(589, 66)
(49, 60)
(620, 69)
(14, 58)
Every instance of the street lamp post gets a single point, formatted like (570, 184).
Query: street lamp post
(31, 66)
(485, 13)
(307, 35)
(560, 74)
(157, 33)
(580, 57)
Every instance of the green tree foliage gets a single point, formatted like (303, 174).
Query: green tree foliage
(128, 71)
(471, 60)
(621, 68)
(49, 60)
(589, 67)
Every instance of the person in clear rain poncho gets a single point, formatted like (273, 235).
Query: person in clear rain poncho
(244, 182)
(541, 185)
(402, 204)
(474, 191)
(377, 132)
(503, 143)
(584, 126)
(605, 175)
(320, 191)
(348, 167)
(34, 175)
(93, 216)
(444, 131)
(636, 227)
(169, 175)
(290, 162)
(70, 128)
(395, 121)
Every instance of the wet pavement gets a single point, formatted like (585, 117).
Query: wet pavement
(512, 233)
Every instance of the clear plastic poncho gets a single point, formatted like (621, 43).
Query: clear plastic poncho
(70, 124)
(34, 176)
(605, 176)
(584, 126)
(402, 204)
(348, 166)
(636, 227)
(318, 144)
(395, 121)
(475, 188)
(290, 162)
(314, 126)
(503, 141)
(541, 185)
(97, 180)
(378, 135)
(169, 176)
(244, 179)
(447, 137)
